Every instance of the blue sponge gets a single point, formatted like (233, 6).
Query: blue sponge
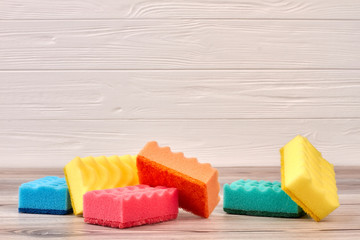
(259, 198)
(48, 195)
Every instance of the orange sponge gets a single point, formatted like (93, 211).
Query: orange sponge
(197, 183)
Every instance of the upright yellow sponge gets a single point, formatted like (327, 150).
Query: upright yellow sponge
(96, 173)
(308, 178)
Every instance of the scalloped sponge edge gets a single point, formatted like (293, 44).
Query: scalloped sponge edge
(48, 195)
(259, 198)
(197, 183)
(130, 206)
(308, 178)
(96, 173)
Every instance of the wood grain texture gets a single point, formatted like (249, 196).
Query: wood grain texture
(229, 81)
(221, 142)
(343, 223)
(113, 9)
(180, 94)
(179, 44)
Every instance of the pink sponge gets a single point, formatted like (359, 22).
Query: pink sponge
(130, 206)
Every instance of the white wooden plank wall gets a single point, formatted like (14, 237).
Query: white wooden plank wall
(229, 82)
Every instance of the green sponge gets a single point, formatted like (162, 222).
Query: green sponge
(259, 198)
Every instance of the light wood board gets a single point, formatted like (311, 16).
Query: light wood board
(194, 94)
(179, 44)
(170, 9)
(229, 82)
(229, 142)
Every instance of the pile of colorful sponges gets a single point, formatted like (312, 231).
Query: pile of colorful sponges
(126, 191)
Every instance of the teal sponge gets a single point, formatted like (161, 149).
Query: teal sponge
(259, 198)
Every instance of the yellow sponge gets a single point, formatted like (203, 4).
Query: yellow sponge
(308, 178)
(96, 173)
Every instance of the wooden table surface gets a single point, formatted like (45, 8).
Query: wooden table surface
(343, 223)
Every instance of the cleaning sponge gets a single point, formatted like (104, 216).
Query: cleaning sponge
(259, 198)
(308, 178)
(197, 183)
(48, 195)
(130, 206)
(95, 173)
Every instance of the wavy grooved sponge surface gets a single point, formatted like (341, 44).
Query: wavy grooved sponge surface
(130, 206)
(308, 178)
(96, 173)
(48, 195)
(259, 198)
(197, 183)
